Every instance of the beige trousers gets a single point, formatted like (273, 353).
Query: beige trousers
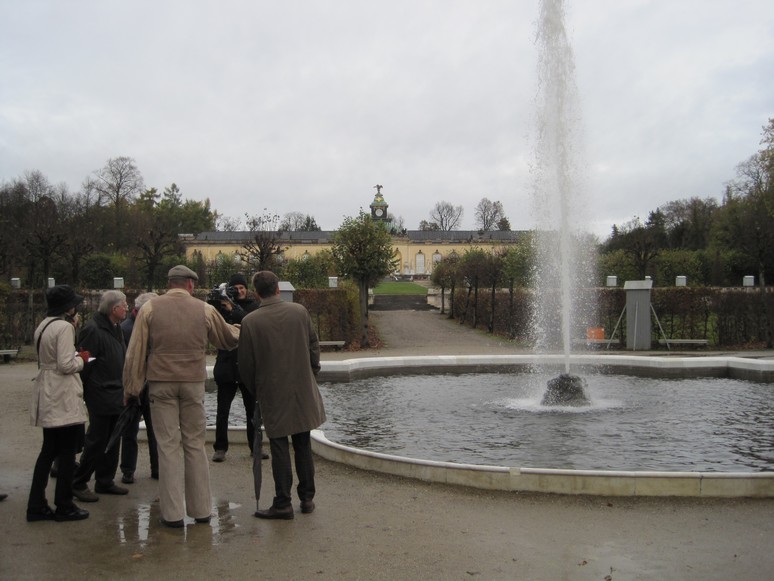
(177, 411)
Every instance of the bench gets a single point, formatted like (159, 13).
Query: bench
(335, 344)
(691, 342)
(8, 353)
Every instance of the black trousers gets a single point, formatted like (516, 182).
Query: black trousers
(283, 474)
(226, 393)
(94, 460)
(60, 444)
(129, 440)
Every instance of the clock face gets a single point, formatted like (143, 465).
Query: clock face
(379, 212)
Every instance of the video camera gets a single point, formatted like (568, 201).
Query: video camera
(222, 292)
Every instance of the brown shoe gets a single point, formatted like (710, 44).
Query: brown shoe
(85, 495)
(219, 456)
(276, 513)
(307, 506)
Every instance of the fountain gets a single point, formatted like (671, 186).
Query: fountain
(566, 390)
(558, 203)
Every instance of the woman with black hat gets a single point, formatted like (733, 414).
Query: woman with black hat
(57, 406)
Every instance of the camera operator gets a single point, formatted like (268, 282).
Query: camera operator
(234, 306)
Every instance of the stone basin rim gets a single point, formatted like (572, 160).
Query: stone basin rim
(552, 480)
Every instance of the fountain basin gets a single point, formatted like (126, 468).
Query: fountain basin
(524, 478)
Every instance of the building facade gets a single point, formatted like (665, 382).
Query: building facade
(417, 250)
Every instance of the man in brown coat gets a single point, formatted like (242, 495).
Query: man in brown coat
(168, 349)
(279, 356)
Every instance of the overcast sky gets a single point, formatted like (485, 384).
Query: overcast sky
(306, 105)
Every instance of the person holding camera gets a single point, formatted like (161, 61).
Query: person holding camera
(233, 306)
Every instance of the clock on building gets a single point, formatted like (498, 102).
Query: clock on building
(379, 206)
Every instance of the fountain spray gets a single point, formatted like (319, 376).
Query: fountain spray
(557, 186)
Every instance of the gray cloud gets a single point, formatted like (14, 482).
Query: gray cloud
(305, 106)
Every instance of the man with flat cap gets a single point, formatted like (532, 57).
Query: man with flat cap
(168, 348)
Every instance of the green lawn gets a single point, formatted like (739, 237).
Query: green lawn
(399, 288)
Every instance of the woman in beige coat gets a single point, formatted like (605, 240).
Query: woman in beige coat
(57, 406)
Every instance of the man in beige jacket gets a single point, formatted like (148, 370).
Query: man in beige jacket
(168, 348)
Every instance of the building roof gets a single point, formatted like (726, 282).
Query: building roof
(326, 236)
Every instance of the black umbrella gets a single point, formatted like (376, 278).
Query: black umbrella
(129, 415)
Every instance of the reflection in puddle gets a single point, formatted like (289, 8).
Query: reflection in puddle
(142, 526)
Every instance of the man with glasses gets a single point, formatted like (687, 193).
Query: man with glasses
(103, 392)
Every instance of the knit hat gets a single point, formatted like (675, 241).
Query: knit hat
(61, 298)
(182, 271)
(237, 279)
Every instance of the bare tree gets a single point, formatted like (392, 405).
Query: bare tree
(446, 216)
(488, 214)
(37, 185)
(292, 222)
(119, 181)
(395, 224)
(263, 250)
(298, 222)
(45, 236)
(227, 223)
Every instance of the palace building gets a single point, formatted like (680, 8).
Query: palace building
(417, 250)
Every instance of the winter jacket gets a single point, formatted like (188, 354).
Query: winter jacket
(102, 383)
(279, 356)
(57, 396)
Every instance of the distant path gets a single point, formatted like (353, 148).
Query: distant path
(405, 333)
(425, 333)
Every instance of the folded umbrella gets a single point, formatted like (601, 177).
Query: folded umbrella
(128, 416)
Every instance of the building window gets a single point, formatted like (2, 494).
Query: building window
(420, 260)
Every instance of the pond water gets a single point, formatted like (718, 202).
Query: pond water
(496, 419)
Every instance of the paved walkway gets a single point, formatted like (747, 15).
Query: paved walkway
(373, 526)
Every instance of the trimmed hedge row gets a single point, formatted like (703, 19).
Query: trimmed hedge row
(725, 317)
(334, 312)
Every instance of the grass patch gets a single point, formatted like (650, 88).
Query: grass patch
(399, 288)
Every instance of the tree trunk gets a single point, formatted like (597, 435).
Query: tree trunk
(765, 321)
(492, 309)
(363, 312)
(451, 301)
(511, 328)
(475, 306)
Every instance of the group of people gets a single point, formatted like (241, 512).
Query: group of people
(156, 359)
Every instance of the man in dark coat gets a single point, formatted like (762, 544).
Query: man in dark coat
(279, 356)
(226, 372)
(104, 396)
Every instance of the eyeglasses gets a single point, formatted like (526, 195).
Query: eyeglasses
(121, 306)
